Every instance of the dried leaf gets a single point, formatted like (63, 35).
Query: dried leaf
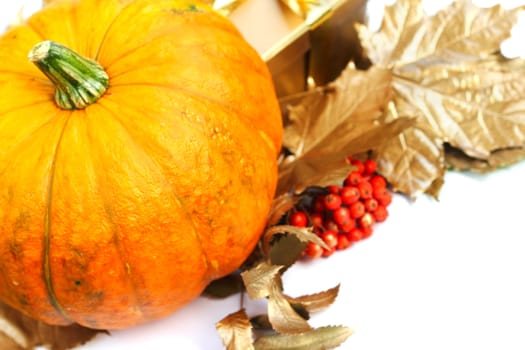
(457, 160)
(235, 331)
(282, 316)
(286, 250)
(303, 234)
(280, 206)
(261, 322)
(260, 280)
(224, 287)
(325, 128)
(316, 302)
(18, 331)
(446, 75)
(320, 338)
(412, 160)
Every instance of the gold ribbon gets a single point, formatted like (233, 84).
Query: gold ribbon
(302, 8)
(224, 6)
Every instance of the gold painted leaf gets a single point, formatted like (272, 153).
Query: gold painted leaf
(235, 331)
(224, 287)
(259, 281)
(19, 332)
(446, 74)
(286, 250)
(280, 206)
(458, 160)
(316, 302)
(282, 316)
(303, 234)
(332, 122)
(320, 338)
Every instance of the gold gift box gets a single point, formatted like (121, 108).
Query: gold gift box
(301, 48)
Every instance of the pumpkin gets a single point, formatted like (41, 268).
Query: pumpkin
(138, 148)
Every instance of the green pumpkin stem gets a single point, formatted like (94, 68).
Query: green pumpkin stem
(79, 81)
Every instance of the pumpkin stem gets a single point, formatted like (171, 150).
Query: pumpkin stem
(79, 81)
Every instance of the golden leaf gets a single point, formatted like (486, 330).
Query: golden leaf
(259, 280)
(445, 73)
(320, 338)
(282, 316)
(333, 122)
(498, 159)
(303, 234)
(235, 331)
(19, 332)
(316, 302)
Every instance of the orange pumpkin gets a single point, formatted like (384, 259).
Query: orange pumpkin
(140, 169)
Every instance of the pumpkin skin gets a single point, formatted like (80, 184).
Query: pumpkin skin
(123, 211)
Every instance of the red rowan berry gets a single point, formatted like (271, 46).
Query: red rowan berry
(330, 238)
(317, 219)
(355, 235)
(328, 252)
(359, 165)
(330, 225)
(367, 220)
(385, 199)
(347, 226)
(365, 189)
(333, 189)
(313, 250)
(367, 231)
(378, 181)
(357, 210)
(379, 192)
(371, 204)
(353, 179)
(349, 194)
(370, 166)
(343, 242)
(380, 214)
(341, 215)
(332, 201)
(298, 219)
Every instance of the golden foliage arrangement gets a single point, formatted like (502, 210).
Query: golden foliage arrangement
(438, 95)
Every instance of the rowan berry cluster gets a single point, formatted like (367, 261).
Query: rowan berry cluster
(343, 215)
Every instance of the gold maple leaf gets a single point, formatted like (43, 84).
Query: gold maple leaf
(335, 121)
(446, 73)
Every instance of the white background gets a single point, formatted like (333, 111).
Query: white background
(445, 274)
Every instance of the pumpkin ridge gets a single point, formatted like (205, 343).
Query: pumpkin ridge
(254, 68)
(135, 49)
(46, 264)
(109, 26)
(28, 137)
(30, 105)
(107, 32)
(123, 257)
(163, 172)
(162, 36)
(36, 77)
(172, 30)
(119, 244)
(198, 96)
(35, 30)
